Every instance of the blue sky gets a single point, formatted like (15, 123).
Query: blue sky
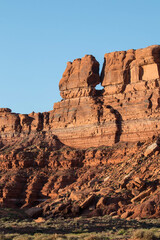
(38, 37)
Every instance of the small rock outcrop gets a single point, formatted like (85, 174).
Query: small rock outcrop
(80, 78)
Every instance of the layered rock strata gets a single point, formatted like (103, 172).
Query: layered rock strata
(127, 109)
(48, 179)
(121, 179)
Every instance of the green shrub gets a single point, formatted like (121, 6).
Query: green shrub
(121, 232)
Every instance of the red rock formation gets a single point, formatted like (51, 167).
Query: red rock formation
(38, 169)
(59, 180)
(127, 109)
(116, 68)
(80, 78)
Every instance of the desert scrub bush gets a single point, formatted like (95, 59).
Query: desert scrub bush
(144, 235)
(121, 232)
(94, 237)
(39, 236)
(23, 237)
(2, 237)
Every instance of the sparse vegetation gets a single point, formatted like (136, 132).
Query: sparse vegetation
(2, 237)
(15, 225)
(142, 234)
(122, 232)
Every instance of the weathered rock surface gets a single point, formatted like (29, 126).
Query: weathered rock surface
(97, 151)
(127, 109)
(80, 78)
(48, 179)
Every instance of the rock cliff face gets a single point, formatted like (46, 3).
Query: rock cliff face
(127, 109)
(121, 177)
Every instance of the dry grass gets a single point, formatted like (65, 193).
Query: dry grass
(142, 234)
(14, 225)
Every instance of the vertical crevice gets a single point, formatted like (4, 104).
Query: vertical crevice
(99, 103)
(40, 122)
(119, 120)
(150, 102)
(102, 71)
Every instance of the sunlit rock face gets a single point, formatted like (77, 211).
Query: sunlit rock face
(79, 78)
(38, 169)
(126, 109)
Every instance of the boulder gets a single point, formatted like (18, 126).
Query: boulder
(142, 195)
(151, 149)
(34, 212)
(87, 201)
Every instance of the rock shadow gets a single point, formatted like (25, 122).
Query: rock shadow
(118, 123)
(156, 56)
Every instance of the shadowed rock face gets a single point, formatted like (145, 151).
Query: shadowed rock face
(127, 109)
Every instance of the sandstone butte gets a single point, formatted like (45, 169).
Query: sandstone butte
(97, 151)
(127, 109)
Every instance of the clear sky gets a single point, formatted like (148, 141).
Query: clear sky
(38, 37)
